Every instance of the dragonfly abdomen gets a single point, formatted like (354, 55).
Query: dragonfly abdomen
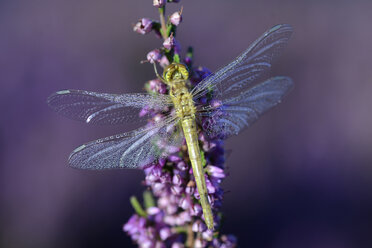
(191, 136)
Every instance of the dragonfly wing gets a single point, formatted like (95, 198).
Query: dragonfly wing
(246, 68)
(128, 150)
(103, 108)
(237, 113)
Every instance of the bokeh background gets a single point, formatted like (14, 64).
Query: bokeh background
(299, 177)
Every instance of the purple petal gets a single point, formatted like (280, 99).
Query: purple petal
(165, 233)
(143, 26)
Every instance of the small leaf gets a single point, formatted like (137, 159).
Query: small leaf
(137, 207)
(176, 58)
(148, 199)
(204, 162)
(171, 29)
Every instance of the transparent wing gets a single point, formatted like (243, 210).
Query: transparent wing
(229, 117)
(246, 68)
(102, 108)
(129, 150)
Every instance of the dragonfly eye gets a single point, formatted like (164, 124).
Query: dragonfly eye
(175, 71)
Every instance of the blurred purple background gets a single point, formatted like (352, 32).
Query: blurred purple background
(300, 177)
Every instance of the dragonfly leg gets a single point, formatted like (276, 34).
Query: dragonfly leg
(157, 74)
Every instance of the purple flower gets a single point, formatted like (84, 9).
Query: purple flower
(144, 111)
(169, 42)
(185, 203)
(177, 245)
(154, 56)
(207, 235)
(158, 3)
(143, 26)
(176, 18)
(199, 226)
(215, 171)
(174, 158)
(176, 190)
(153, 210)
(165, 233)
(177, 180)
(177, 46)
(164, 61)
(229, 241)
(135, 227)
(196, 210)
(157, 86)
(210, 187)
(201, 73)
(199, 243)
(183, 218)
(182, 166)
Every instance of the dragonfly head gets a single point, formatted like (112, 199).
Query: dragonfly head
(175, 71)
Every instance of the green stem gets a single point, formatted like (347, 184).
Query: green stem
(163, 24)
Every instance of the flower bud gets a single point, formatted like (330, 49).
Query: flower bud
(188, 60)
(158, 3)
(198, 226)
(157, 86)
(176, 18)
(215, 171)
(190, 188)
(174, 158)
(210, 188)
(154, 56)
(169, 43)
(153, 210)
(182, 166)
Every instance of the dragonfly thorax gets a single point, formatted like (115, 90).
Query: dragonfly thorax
(182, 100)
(176, 75)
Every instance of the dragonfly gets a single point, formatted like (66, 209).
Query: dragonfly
(238, 101)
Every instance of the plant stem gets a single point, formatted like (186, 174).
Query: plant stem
(190, 237)
(163, 24)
